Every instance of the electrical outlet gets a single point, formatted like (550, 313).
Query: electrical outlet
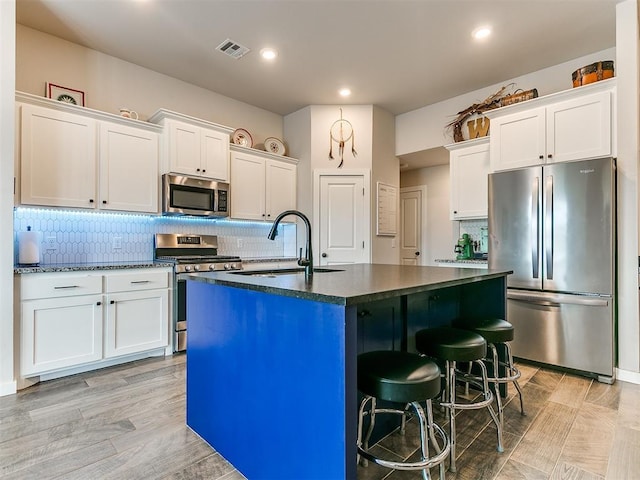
(393, 243)
(240, 243)
(51, 243)
(116, 243)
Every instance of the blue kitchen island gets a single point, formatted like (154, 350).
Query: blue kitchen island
(271, 357)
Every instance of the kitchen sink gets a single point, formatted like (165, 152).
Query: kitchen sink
(282, 271)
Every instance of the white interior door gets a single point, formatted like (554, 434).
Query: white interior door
(342, 220)
(412, 209)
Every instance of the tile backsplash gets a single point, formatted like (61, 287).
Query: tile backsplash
(474, 229)
(69, 236)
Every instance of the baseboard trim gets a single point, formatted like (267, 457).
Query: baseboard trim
(628, 376)
(8, 388)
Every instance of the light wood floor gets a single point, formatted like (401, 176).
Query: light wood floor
(127, 422)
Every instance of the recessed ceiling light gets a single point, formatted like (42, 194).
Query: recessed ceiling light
(344, 92)
(481, 33)
(268, 53)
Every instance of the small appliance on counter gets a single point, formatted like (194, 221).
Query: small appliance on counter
(28, 247)
(464, 248)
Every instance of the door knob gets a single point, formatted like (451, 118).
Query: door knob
(417, 254)
(324, 255)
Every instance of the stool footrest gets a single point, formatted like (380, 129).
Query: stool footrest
(420, 465)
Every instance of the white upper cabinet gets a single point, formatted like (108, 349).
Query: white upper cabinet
(262, 185)
(70, 156)
(193, 146)
(58, 158)
(572, 125)
(128, 168)
(469, 168)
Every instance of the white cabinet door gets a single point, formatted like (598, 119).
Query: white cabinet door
(60, 332)
(518, 140)
(136, 321)
(198, 151)
(247, 186)
(572, 125)
(280, 188)
(469, 168)
(58, 158)
(184, 148)
(215, 154)
(128, 168)
(580, 128)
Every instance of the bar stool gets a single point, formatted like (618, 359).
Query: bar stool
(457, 345)
(407, 379)
(497, 331)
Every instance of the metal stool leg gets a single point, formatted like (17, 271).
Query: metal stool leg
(451, 398)
(496, 382)
(514, 373)
(488, 395)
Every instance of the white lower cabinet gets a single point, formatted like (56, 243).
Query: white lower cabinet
(69, 319)
(60, 332)
(136, 313)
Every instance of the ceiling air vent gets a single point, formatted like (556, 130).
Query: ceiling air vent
(233, 49)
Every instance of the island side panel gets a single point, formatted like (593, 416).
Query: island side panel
(270, 382)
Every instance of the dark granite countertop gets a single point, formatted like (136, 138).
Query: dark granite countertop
(358, 283)
(480, 261)
(83, 267)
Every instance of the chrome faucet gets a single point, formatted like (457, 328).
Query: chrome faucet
(307, 261)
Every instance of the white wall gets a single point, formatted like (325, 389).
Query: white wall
(7, 96)
(386, 169)
(627, 71)
(110, 83)
(441, 233)
(424, 128)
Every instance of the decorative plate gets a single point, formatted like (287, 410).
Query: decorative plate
(242, 137)
(274, 145)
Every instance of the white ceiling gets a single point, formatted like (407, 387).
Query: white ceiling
(397, 54)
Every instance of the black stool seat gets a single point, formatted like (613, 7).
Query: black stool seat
(494, 330)
(450, 343)
(401, 377)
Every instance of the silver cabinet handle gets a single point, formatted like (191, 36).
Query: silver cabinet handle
(140, 281)
(66, 287)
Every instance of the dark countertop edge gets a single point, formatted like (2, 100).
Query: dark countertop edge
(348, 300)
(268, 260)
(83, 267)
(453, 260)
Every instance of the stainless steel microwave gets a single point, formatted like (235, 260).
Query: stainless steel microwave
(185, 195)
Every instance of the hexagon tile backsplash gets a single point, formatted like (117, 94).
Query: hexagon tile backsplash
(70, 236)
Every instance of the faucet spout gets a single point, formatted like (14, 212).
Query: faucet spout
(306, 262)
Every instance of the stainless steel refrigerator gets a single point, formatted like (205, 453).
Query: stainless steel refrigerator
(555, 227)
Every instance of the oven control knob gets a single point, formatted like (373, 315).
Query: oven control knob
(187, 268)
(212, 267)
(196, 268)
(227, 266)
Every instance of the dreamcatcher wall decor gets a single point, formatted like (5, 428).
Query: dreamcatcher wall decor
(341, 132)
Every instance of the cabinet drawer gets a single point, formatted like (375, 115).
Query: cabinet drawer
(58, 285)
(138, 280)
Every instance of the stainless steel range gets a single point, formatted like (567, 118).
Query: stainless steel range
(191, 254)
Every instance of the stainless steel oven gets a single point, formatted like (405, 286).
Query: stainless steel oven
(190, 253)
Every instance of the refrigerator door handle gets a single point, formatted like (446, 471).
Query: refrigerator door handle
(555, 300)
(548, 227)
(535, 225)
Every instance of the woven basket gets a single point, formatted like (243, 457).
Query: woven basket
(592, 73)
(519, 96)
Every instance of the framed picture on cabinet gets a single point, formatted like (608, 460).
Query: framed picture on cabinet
(64, 94)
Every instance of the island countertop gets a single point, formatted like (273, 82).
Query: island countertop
(353, 284)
